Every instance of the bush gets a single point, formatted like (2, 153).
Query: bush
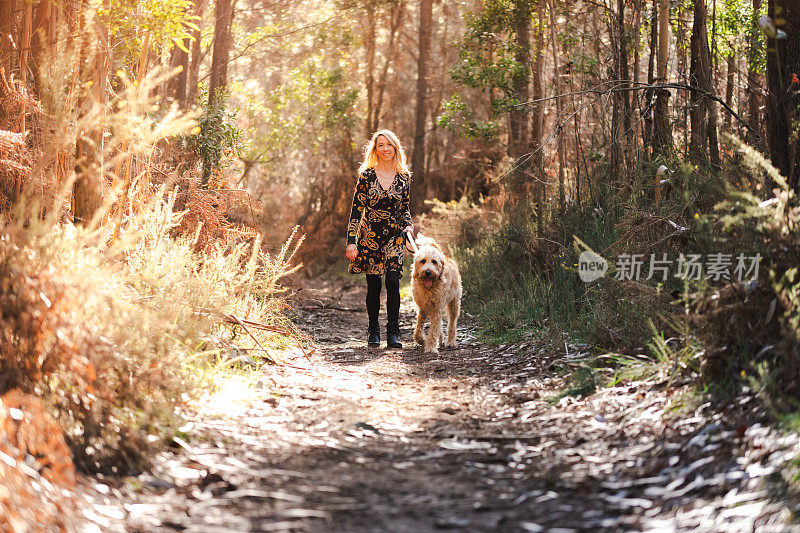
(752, 329)
(114, 333)
(36, 471)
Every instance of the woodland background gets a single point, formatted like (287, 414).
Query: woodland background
(151, 150)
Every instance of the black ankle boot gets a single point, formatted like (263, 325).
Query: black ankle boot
(374, 338)
(392, 334)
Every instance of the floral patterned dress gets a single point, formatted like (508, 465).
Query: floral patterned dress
(376, 225)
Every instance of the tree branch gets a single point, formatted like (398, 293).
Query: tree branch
(641, 86)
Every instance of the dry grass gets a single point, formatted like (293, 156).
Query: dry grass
(111, 334)
(117, 324)
(36, 471)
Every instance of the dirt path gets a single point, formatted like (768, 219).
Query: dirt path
(397, 440)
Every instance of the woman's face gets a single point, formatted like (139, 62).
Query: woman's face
(384, 149)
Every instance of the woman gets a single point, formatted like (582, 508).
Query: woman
(375, 234)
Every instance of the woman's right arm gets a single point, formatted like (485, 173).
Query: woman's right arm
(359, 202)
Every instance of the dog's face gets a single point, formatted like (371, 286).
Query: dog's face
(428, 262)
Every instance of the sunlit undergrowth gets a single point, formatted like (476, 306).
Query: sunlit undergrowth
(521, 281)
(163, 292)
(114, 337)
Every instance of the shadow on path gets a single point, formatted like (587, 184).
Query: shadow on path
(364, 440)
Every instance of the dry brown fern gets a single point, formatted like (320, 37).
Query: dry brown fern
(36, 468)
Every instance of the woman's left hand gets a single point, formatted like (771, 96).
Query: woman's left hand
(409, 235)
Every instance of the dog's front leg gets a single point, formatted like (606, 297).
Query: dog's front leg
(434, 332)
(419, 335)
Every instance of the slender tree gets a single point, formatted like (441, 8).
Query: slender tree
(518, 122)
(223, 17)
(423, 57)
(24, 41)
(647, 130)
(537, 118)
(197, 56)
(730, 72)
(662, 131)
(623, 136)
(783, 78)
(8, 16)
(43, 29)
(753, 103)
(537, 113)
(559, 104)
(369, 47)
(396, 19)
(703, 142)
(179, 58)
(87, 191)
(637, 29)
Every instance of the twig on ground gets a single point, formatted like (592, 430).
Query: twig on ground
(266, 353)
(230, 319)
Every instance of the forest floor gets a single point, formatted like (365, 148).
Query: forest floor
(471, 439)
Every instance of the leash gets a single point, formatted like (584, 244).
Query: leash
(410, 239)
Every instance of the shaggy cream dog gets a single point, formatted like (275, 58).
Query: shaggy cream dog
(436, 287)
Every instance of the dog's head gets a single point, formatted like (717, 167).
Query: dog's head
(428, 261)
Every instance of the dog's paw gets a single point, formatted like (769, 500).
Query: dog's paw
(434, 351)
(453, 344)
(419, 339)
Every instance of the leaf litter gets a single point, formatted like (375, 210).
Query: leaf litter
(354, 439)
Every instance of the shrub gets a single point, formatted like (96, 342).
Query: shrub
(111, 331)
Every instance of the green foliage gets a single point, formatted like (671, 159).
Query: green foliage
(217, 134)
(481, 69)
(487, 61)
(734, 19)
(519, 284)
(581, 383)
(458, 117)
(312, 105)
(163, 23)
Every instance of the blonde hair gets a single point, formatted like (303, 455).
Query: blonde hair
(371, 158)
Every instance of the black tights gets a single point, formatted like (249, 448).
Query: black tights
(392, 297)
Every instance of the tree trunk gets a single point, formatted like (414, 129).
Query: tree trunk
(519, 138)
(8, 17)
(620, 117)
(423, 57)
(730, 70)
(194, 65)
(537, 121)
(25, 42)
(396, 19)
(703, 113)
(783, 99)
(662, 132)
(369, 45)
(43, 37)
(697, 71)
(223, 17)
(537, 113)
(625, 96)
(433, 142)
(177, 84)
(647, 130)
(682, 98)
(87, 191)
(754, 113)
(637, 29)
(559, 106)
